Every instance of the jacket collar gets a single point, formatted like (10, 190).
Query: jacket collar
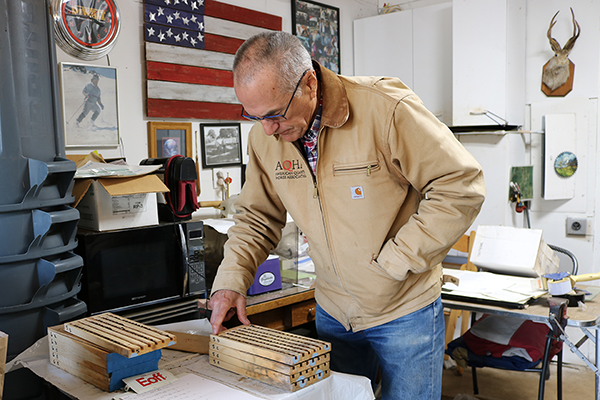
(335, 101)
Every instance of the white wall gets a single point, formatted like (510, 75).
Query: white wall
(128, 57)
(551, 215)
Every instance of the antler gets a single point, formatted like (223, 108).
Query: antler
(570, 43)
(576, 31)
(553, 43)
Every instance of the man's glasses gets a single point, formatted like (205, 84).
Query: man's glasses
(278, 117)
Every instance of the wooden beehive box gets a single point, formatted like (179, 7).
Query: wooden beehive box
(285, 360)
(106, 348)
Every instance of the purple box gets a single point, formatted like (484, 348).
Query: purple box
(268, 277)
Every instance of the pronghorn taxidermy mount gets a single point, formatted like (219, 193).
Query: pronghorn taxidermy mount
(557, 77)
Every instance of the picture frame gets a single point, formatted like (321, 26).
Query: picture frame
(90, 111)
(317, 26)
(221, 145)
(167, 139)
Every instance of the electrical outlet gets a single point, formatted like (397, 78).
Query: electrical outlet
(577, 226)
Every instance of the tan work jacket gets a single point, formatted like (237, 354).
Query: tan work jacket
(394, 190)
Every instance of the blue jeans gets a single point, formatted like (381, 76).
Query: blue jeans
(408, 350)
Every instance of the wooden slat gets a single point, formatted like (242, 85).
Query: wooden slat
(193, 109)
(221, 43)
(244, 15)
(156, 335)
(116, 335)
(272, 375)
(189, 92)
(3, 350)
(119, 335)
(233, 29)
(226, 11)
(101, 381)
(78, 357)
(226, 353)
(187, 74)
(272, 378)
(109, 343)
(186, 56)
(273, 300)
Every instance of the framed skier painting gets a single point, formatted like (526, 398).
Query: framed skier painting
(90, 105)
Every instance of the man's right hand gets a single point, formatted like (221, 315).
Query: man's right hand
(224, 305)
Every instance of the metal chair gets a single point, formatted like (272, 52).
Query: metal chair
(557, 321)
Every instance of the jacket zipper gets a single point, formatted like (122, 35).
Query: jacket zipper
(316, 196)
(368, 168)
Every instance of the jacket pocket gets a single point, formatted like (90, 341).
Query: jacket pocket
(366, 167)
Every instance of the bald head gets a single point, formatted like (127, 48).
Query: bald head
(279, 53)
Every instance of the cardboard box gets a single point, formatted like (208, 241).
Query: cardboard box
(514, 251)
(115, 203)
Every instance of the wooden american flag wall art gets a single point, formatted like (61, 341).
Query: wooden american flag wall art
(190, 45)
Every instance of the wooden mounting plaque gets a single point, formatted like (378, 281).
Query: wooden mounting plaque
(563, 90)
(120, 335)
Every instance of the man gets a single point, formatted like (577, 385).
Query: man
(92, 100)
(380, 188)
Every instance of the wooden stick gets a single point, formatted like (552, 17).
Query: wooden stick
(216, 204)
(198, 189)
(3, 349)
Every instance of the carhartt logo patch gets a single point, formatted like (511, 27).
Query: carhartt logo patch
(357, 192)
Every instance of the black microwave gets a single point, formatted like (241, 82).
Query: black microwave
(136, 267)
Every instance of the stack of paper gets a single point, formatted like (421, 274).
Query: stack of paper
(493, 287)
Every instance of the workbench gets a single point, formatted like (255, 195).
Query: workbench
(282, 309)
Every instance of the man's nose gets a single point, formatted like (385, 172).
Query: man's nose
(269, 126)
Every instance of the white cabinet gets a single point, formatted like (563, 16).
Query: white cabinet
(383, 46)
(413, 45)
(488, 61)
(461, 57)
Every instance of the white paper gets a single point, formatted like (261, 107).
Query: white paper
(305, 264)
(221, 225)
(506, 249)
(191, 387)
(103, 170)
(149, 381)
(490, 286)
(194, 327)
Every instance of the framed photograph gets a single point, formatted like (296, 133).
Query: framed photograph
(221, 145)
(168, 139)
(318, 27)
(90, 105)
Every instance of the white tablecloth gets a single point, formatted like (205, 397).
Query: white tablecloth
(337, 387)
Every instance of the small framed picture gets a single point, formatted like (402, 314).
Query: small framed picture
(167, 139)
(318, 28)
(90, 105)
(221, 145)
